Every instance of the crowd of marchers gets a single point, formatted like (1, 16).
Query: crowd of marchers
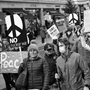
(65, 65)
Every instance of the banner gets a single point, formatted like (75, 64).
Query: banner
(15, 30)
(61, 25)
(87, 21)
(10, 61)
(53, 32)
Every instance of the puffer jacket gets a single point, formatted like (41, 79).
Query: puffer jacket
(73, 71)
(38, 73)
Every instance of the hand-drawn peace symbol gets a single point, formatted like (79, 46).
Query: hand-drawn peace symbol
(73, 18)
(14, 25)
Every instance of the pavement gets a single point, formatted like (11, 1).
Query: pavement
(38, 40)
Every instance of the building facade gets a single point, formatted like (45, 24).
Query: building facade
(35, 6)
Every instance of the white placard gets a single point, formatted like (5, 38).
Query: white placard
(53, 32)
(87, 21)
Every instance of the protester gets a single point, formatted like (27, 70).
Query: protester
(7, 76)
(77, 47)
(55, 43)
(37, 68)
(71, 34)
(50, 56)
(82, 46)
(43, 34)
(73, 71)
(85, 41)
(30, 35)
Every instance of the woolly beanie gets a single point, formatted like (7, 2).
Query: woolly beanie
(33, 46)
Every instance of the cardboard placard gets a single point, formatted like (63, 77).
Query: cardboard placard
(53, 32)
(10, 61)
(61, 25)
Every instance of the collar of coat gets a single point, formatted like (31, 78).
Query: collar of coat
(66, 57)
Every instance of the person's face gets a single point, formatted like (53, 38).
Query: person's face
(62, 48)
(33, 53)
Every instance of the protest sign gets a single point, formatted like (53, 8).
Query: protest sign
(87, 21)
(61, 25)
(10, 61)
(15, 29)
(53, 32)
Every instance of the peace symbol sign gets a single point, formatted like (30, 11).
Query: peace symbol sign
(14, 25)
(73, 18)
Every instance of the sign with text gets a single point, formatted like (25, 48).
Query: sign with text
(16, 29)
(87, 21)
(53, 32)
(10, 61)
(61, 25)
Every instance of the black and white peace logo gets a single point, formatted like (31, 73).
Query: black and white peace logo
(73, 18)
(14, 25)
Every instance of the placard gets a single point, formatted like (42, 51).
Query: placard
(53, 32)
(87, 21)
(16, 30)
(61, 25)
(10, 61)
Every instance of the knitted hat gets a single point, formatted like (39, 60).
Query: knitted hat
(33, 46)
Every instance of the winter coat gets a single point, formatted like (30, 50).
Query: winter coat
(73, 71)
(38, 73)
(52, 67)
